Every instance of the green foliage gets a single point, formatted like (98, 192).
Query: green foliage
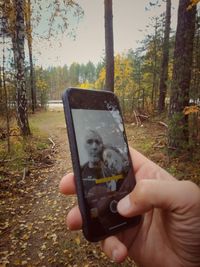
(41, 87)
(172, 170)
(42, 145)
(146, 145)
(57, 79)
(125, 87)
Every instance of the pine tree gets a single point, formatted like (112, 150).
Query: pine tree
(179, 99)
(165, 59)
(109, 47)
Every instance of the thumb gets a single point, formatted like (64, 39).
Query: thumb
(166, 195)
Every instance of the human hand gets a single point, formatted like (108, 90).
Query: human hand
(169, 234)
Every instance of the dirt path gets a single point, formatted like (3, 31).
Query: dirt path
(32, 211)
(33, 232)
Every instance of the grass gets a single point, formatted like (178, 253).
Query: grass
(23, 150)
(151, 140)
(41, 122)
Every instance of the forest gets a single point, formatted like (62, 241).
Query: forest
(158, 86)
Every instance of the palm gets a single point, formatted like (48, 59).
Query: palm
(151, 243)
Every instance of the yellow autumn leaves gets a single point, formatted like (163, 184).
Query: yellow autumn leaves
(192, 3)
(124, 78)
(191, 109)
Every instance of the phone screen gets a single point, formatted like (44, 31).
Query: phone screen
(105, 168)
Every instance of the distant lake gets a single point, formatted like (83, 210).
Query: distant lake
(55, 104)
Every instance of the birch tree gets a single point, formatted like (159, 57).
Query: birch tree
(19, 61)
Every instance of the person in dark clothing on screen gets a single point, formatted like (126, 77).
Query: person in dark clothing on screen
(94, 169)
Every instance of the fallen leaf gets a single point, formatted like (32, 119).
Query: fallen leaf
(77, 240)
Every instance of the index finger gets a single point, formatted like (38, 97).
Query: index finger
(138, 159)
(67, 184)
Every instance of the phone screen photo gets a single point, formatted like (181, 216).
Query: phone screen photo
(101, 158)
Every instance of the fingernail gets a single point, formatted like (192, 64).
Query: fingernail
(115, 255)
(124, 205)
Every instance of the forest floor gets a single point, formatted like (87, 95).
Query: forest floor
(32, 211)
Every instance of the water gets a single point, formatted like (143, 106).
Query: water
(55, 105)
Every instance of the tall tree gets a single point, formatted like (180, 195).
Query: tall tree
(90, 72)
(19, 61)
(155, 59)
(29, 39)
(109, 46)
(74, 74)
(137, 74)
(179, 131)
(5, 105)
(152, 47)
(195, 81)
(165, 59)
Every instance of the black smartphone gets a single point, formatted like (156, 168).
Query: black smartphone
(101, 160)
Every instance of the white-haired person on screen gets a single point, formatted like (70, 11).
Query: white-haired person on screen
(94, 168)
(117, 165)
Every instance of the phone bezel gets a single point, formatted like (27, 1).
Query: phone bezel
(92, 100)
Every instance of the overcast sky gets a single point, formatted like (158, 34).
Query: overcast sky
(129, 18)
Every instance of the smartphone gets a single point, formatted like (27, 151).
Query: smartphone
(100, 158)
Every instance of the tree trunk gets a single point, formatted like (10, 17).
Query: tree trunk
(154, 65)
(179, 130)
(6, 99)
(29, 39)
(165, 59)
(109, 45)
(139, 86)
(1, 91)
(19, 60)
(195, 81)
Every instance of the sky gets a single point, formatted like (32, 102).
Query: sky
(130, 19)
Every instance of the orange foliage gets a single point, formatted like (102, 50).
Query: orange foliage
(191, 109)
(193, 3)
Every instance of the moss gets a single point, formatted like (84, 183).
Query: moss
(42, 145)
(146, 146)
(173, 170)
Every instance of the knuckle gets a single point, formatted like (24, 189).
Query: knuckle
(142, 189)
(194, 191)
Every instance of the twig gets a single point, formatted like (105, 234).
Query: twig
(53, 144)
(143, 116)
(163, 124)
(7, 160)
(137, 119)
(171, 147)
(157, 146)
(7, 230)
(24, 174)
